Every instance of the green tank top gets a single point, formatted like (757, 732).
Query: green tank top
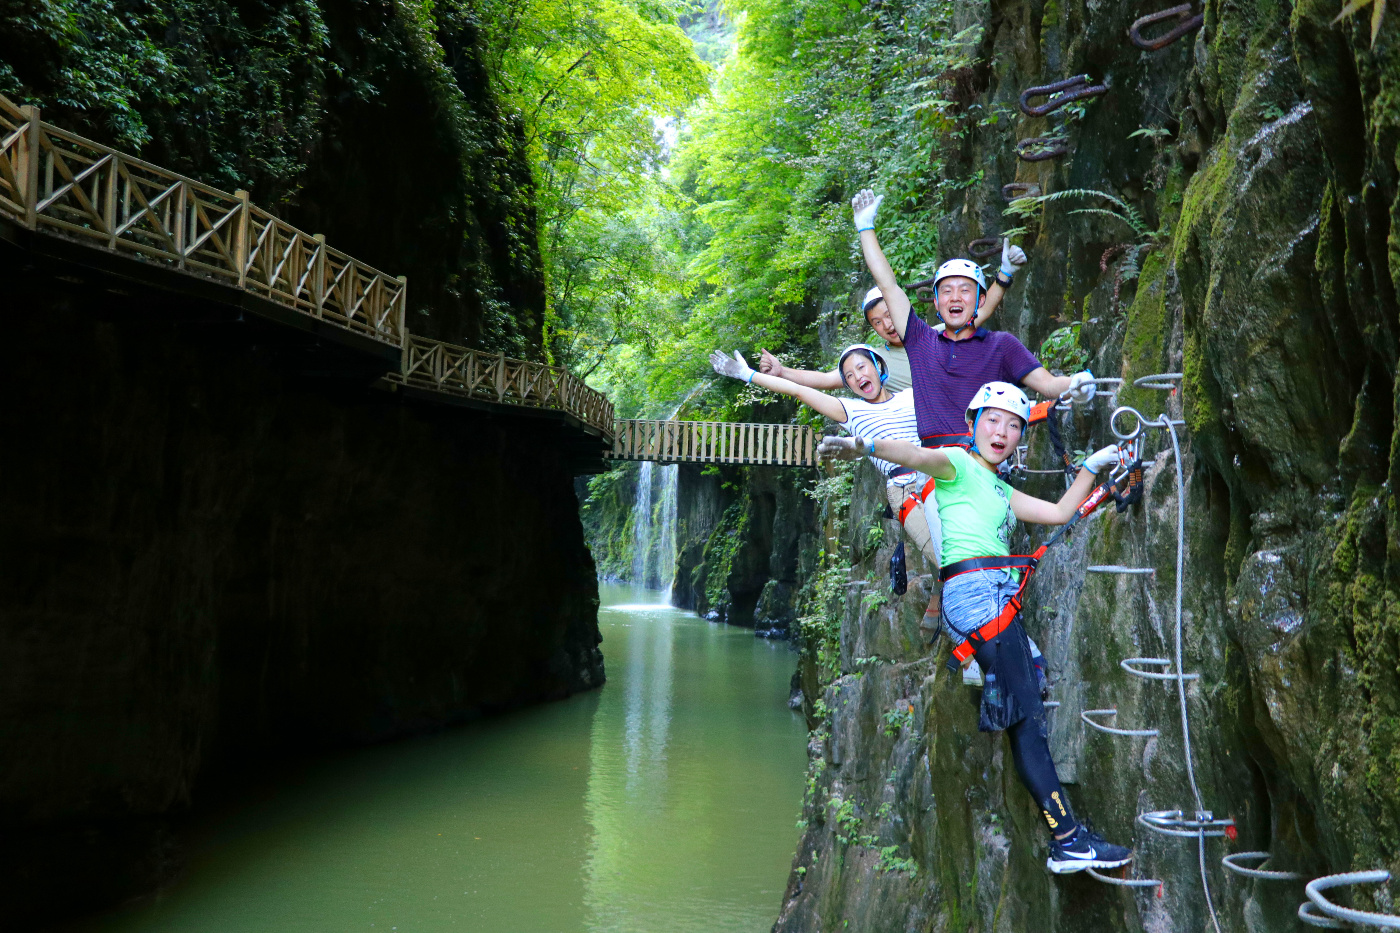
(974, 508)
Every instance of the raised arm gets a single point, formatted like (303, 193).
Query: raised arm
(933, 462)
(819, 402)
(1012, 259)
(1038, 511)
(866, 204)
(769, 365)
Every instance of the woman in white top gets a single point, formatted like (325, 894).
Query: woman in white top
(876, 413)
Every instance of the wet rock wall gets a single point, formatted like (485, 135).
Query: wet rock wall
(1267, 267)
(215, 556)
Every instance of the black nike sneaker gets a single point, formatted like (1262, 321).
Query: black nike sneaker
(1085, 849)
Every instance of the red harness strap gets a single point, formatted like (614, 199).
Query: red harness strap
(1029, 562)
(914, 499)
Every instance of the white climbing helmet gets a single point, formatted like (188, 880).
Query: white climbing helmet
(963, 267)
(871, 297)
(875, 355)
(1001, 395)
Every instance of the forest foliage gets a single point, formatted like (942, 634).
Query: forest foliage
(741, 237)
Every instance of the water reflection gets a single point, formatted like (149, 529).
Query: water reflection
(663, 803)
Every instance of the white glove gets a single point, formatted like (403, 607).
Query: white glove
(1102, 459)
(735, 368)
(842, 448)
(865, 204)
(1012, 258)
(1082, 388)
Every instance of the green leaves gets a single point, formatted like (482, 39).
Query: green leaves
(1377, 15)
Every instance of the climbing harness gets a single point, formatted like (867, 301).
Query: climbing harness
(1187, 23)
(1059, 94)
(1029, 562)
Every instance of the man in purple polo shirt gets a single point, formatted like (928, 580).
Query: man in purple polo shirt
(948, 368)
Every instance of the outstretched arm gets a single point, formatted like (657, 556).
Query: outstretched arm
(866, 204)
(819, 402)
(769, 365)
(1040, 512)
(933, 462)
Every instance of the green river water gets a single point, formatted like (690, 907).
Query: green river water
(663, 803)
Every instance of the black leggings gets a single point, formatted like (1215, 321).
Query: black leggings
(1016, 707)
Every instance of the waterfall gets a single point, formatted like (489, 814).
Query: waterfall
(641, 524)
(666, 553)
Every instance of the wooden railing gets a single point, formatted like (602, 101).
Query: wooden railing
(56, 183)
(714, 442)
(60, 183)
(442, 367)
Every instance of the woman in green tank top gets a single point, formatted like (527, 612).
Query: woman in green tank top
(978, 511)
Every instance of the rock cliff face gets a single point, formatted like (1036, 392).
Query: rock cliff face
(1269, 282)
(219, 544)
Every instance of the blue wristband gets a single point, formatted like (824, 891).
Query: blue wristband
(752, 373)
(863, 229)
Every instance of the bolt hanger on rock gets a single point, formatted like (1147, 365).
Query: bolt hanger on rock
(984, 248)
(1060, 93)
(1187, 23)
(1041, 149)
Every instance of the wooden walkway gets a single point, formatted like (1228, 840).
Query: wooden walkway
(714, 442)
(59, 185)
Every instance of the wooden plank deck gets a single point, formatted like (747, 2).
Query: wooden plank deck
(714, 442)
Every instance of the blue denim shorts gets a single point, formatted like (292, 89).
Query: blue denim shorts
(971, 600)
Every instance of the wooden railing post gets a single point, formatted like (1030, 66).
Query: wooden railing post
(29, 149)
(318, 274)
(109, 201)
(400, 311)
(181, 212)
(240, 238)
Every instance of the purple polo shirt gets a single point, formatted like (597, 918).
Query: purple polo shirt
(947, 373)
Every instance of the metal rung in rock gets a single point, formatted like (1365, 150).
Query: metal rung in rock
(1158, 381)
(1335, 912)
(1175, 823)
(1124, 882)
(1309, 915)
(1051, 704)
(1127, 665)
(1145, 733)
(1119, 568)
(1231, 862)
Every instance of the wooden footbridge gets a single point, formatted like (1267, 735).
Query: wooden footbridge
(714, 442)
(78, 203)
